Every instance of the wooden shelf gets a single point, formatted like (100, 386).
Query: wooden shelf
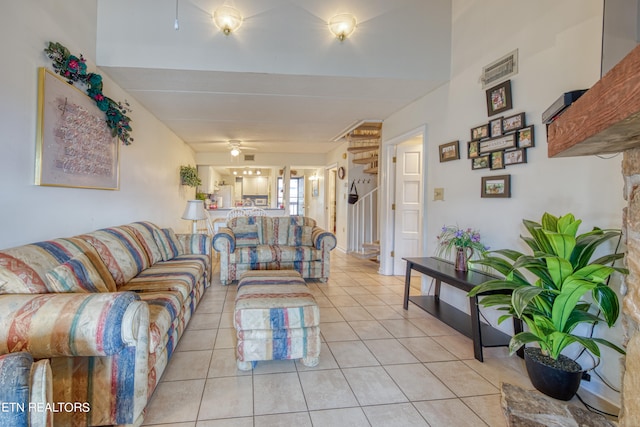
(606, 119)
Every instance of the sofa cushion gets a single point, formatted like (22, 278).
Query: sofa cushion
(121, 251)
(276, 230)
(23, 268)
(178, 275)
(83, 273)
(164, 308)
(168, 243)
(145, 230)
(300, 235)
(254, 254)
(298, 253)
(247, 235)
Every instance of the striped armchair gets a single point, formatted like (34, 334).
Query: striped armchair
(273, 243)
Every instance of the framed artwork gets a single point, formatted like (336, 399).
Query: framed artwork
(472, 149)
(496, 127)
(314, 188)
(515, 157)
(497, 160)
(481, 162)
(525, 137)
(512, 123)
(341, 172)
(499, 98)
(480, 132)
(75, 147)
(504, 142)
(496, 186)
(449, 151)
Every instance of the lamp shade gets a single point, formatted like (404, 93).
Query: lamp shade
(194, 210)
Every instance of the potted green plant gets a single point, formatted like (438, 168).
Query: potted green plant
(189, 176)
(552, 304)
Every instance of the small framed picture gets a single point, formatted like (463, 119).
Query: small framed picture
(480, 132)
(512, 123)
(504, 142)
(515, 157)
(481, 162)
(449, 151)
(472, 149)
(497, 160)
(525, 137)
(496, 186)
(496, 127)
(499, 98)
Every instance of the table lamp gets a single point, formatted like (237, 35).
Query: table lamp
(195, 212)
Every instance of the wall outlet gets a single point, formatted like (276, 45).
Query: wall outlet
(438, 194)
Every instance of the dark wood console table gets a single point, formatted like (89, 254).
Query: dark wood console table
(470, 325)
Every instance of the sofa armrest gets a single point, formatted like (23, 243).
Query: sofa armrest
(73, 324)
(323, 239)
(224, 240)
(195, 244)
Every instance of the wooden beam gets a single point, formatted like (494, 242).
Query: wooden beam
(606, 119)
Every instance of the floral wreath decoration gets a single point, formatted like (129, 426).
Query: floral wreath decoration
(74, 69)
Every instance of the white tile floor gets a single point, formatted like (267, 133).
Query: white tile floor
(379, 366)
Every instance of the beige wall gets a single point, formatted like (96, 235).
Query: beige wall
(149, 168)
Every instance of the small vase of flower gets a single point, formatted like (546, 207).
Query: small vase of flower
(465, 241)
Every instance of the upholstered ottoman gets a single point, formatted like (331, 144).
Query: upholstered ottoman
(276, 318)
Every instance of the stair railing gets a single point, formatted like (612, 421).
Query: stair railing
(363, 221)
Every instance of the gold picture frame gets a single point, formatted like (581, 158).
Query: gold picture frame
(75, 147)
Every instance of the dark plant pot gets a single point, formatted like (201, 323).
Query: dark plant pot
(559, 379)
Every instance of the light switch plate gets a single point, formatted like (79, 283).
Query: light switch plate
(438, 194)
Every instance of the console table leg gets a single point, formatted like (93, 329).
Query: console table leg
(476, 333)
(407, 284)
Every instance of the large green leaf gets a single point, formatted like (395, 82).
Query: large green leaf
(572, 290)
(562, 244)
(559, 269)
(594, 272)
(607, 301)
(549, 222)
(518, 340)
(522, 296)
(493, 285)
(609, 344)
(578, 317)
(567, 224)
(586, 245)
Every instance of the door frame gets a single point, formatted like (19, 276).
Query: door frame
(387, 196)
(330, 192)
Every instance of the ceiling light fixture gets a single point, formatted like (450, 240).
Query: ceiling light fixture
(342, 25)
(227, 19)
(235, 152)
(234, 144)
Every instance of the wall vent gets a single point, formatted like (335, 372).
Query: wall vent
(249, 157)
(500, 70)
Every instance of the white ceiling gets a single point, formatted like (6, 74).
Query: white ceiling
(281, 84)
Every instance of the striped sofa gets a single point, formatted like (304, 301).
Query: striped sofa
(273, 243)
(107, 308)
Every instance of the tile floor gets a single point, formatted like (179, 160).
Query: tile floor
(380, 366)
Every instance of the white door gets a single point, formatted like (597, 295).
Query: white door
(408, 215)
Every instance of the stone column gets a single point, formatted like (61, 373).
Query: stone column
(630, 399)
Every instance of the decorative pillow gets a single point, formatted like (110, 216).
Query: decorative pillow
(84, 273)
(300, 235)
(168, 243)
(246, 235)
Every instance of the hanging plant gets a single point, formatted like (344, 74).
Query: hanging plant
(189, 176)
(74, 69)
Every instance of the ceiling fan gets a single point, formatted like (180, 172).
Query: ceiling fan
(235, 146)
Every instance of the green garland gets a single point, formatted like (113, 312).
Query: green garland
(74, 69)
